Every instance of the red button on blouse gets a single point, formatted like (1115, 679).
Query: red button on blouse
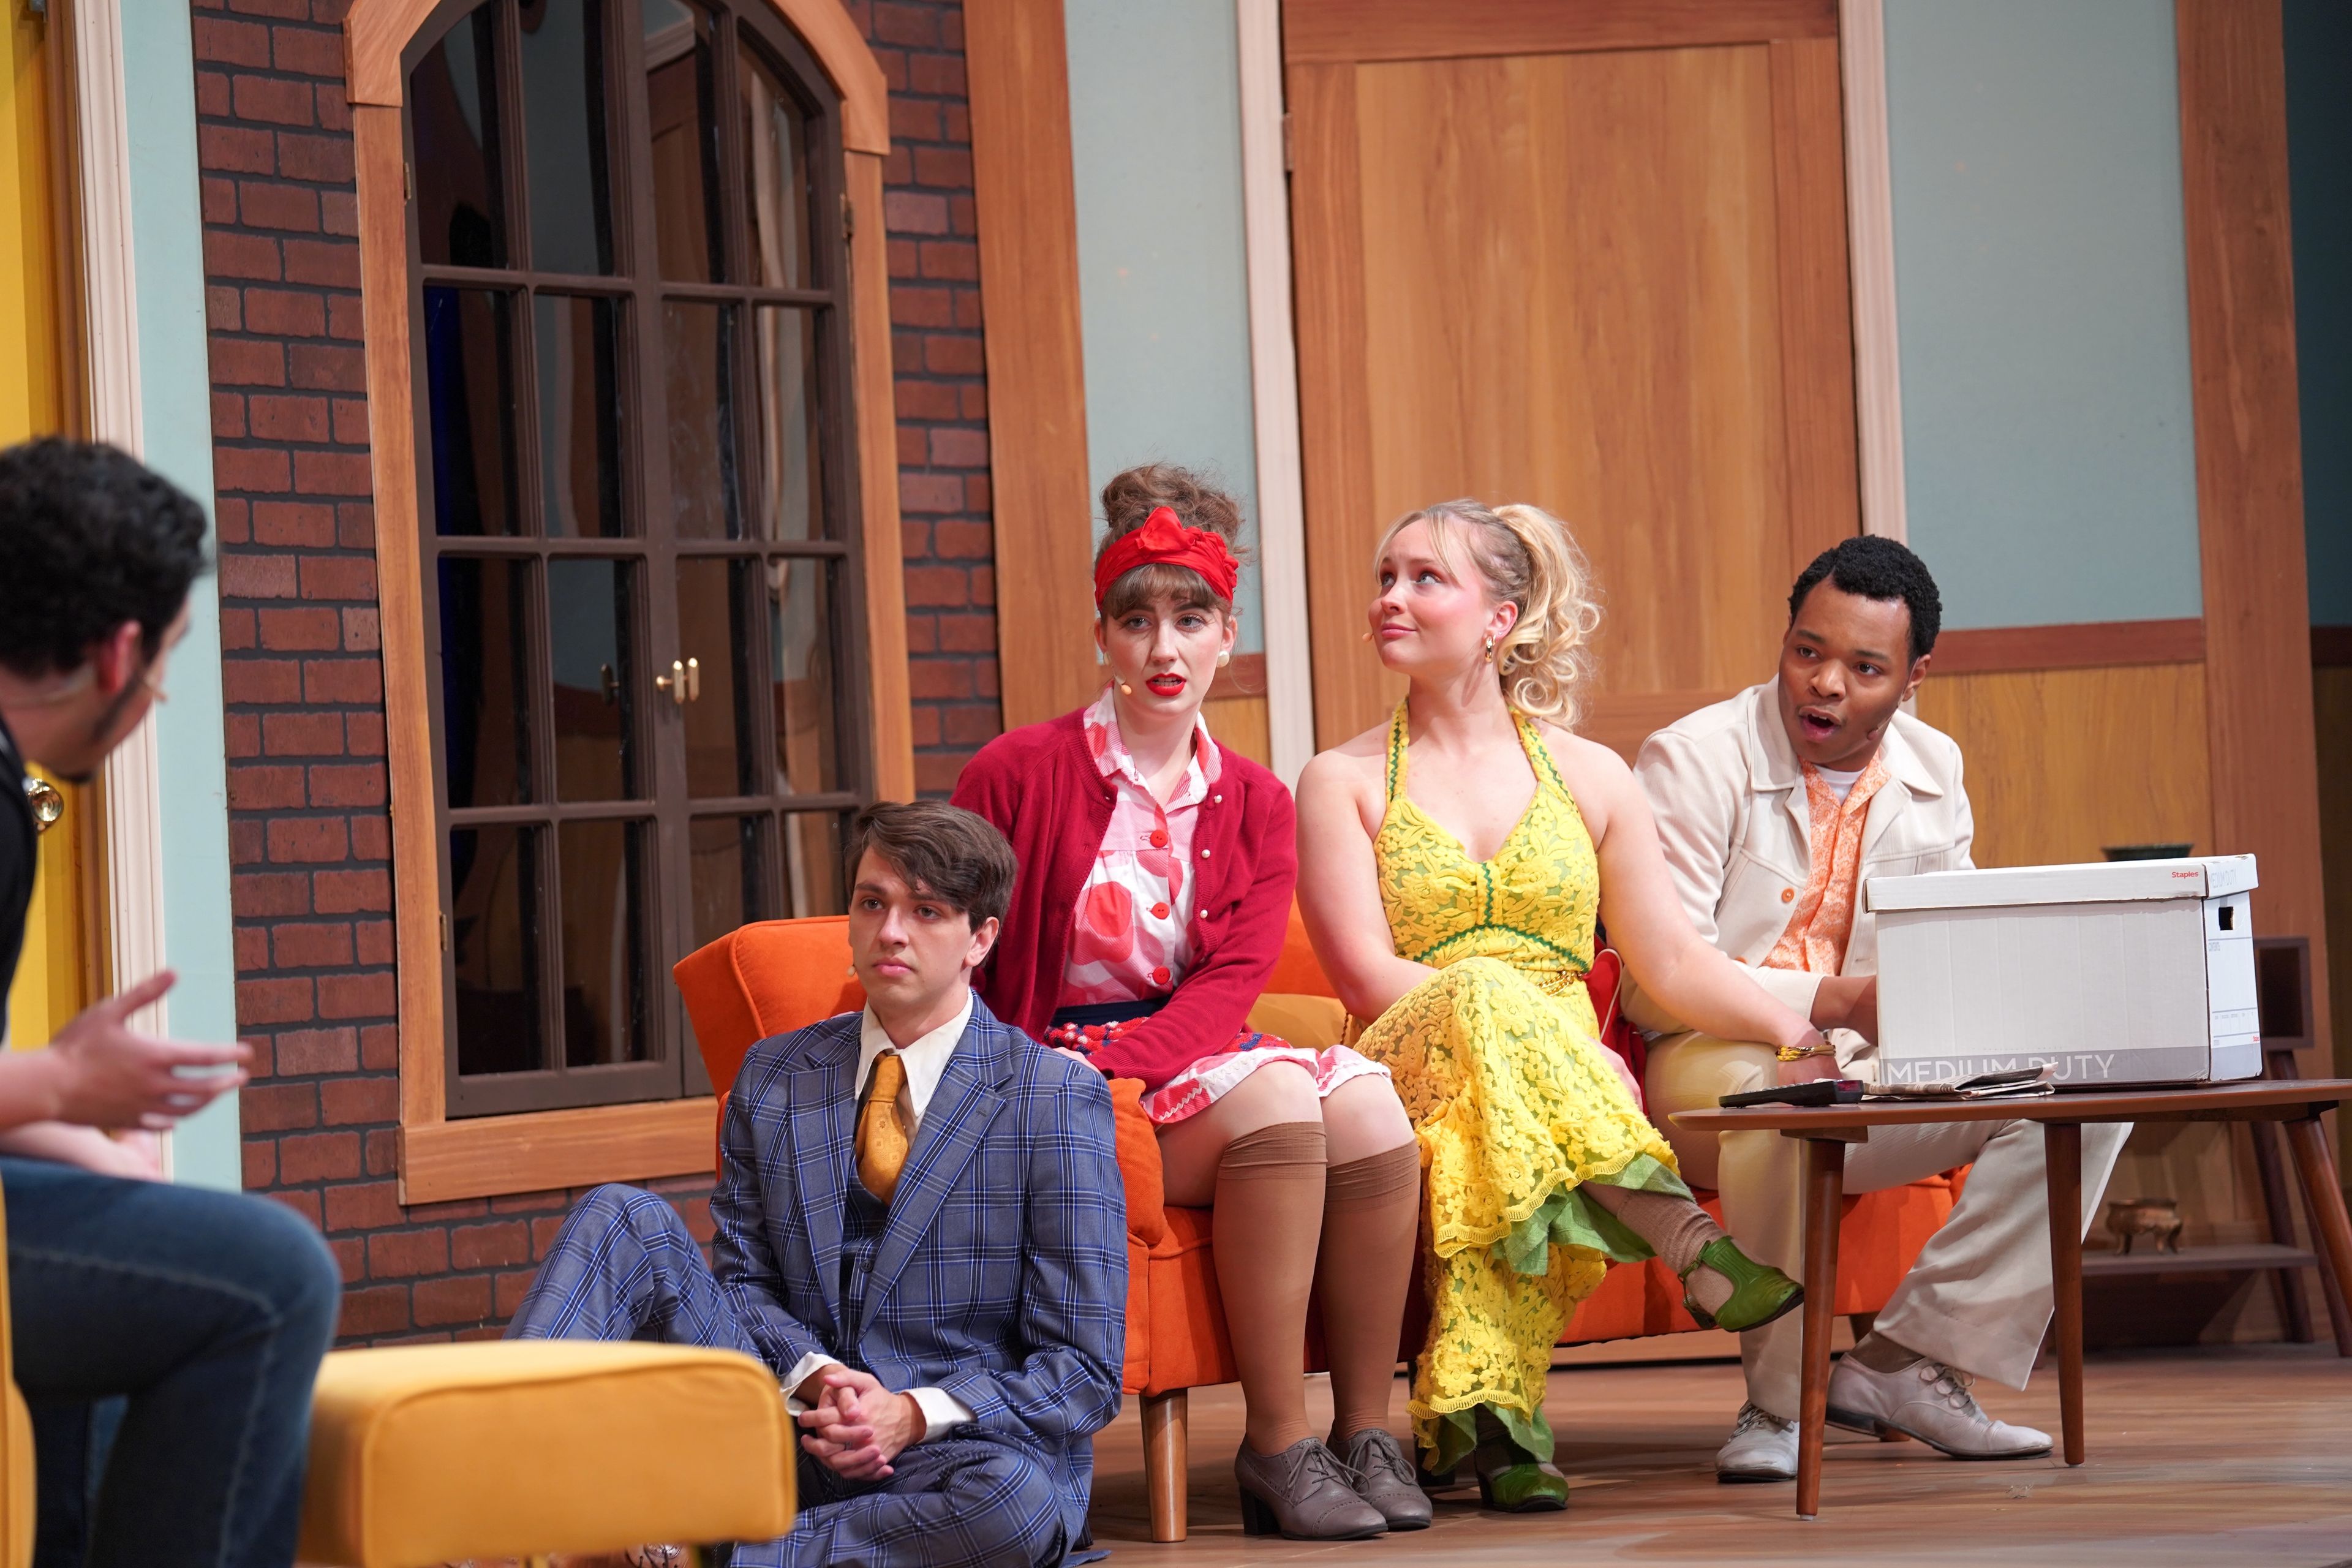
(1160, 839)
(1160, 975)
(1160, 911)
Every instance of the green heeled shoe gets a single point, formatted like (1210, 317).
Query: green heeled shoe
(1511, 1480)
(1759, 1292)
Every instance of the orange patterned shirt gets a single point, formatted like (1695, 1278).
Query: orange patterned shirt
(1814, 942)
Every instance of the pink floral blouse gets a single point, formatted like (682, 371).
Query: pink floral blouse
(1131, 939)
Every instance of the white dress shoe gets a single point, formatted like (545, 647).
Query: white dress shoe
(1931, 1402)
(1763, 1447)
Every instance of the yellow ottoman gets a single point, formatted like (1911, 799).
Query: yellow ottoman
(429, 1454)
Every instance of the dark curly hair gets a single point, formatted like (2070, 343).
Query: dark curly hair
(89, 538)
(1872, 567)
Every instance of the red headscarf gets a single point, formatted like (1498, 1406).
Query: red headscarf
(1164, 539)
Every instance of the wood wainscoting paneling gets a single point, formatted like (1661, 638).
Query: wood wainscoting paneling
(1241, 723)
(2090, 644)
(2331, 689)
(2060, 763)
(1017, 57)
(2246, 408)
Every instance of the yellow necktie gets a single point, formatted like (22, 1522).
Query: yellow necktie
(881, 1141)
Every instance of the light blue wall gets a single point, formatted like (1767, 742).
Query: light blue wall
(1156, 149)
(2319, 171)
(2042, 295)
(174, 386)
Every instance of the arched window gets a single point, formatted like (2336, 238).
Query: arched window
(636, 520)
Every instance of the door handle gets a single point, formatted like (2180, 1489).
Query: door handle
(684, 681)
(47, 804)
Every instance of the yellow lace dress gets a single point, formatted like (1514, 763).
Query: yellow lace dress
(1499, 1064)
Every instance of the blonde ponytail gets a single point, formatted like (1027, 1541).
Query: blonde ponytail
(1527, 558)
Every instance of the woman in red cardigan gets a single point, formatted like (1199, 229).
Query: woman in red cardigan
(1156, 874)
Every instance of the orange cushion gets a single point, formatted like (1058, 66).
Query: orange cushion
(1297, 971)
(765, 979)
(1138, 1161)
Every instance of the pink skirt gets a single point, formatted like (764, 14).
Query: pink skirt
(1209, 1079)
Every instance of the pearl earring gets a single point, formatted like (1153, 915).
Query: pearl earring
(1225, 658)
(1125, 690)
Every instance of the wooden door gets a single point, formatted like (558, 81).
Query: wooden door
(1590, 254)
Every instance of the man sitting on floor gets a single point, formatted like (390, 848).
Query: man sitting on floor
(1773, 808)
(921, 1228)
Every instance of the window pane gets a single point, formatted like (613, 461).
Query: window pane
(730, 882)
(603, 878)
(591, 648)
(680, 93)
(486, 680)
(801, 676)
(813, 872)
(469, 395)
(784, 383)
(714, 628)
(494, 936)
(698, 346)
(565, 152)
(579, 416)
(453, 100)
(776, 195)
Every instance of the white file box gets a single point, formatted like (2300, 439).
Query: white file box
(2133, 972)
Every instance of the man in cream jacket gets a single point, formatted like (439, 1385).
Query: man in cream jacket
(1773, 808)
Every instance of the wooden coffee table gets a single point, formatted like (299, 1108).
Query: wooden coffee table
(1827, 1129)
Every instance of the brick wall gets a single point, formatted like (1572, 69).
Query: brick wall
(310, 836)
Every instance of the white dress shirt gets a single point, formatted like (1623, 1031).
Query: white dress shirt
(926, 1058)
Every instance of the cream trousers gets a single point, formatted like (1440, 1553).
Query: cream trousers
(1978, 1297)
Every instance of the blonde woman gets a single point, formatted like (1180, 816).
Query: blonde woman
(1453, 863)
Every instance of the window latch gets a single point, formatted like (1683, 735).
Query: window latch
(684, 681)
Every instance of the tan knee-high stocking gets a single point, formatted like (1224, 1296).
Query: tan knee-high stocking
(1371, 1212)
(1675, 1228)
(1268, 1214)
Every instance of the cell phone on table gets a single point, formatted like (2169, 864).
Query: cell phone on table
(1812, 1091)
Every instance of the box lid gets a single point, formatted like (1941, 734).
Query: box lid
(2097, 882)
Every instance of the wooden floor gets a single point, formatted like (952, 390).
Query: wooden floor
(2215, 1456)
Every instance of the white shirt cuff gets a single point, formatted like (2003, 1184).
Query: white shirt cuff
(941, 1410)
(808, 1366)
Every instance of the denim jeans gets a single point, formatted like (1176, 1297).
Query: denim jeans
(208, 1311)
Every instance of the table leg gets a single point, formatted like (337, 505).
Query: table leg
(2063, 1155)
(1824, 1209)
(2286, 1284)
(2323, 1201)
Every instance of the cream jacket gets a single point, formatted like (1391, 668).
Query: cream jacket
(1729, 799)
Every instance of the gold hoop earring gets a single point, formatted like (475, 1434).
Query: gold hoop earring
(1490, 649)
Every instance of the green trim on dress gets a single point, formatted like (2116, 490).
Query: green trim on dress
(1570, 1218)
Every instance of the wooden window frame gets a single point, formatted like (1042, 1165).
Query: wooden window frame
(442, 1160)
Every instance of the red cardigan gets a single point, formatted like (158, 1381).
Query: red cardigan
(1042, 789)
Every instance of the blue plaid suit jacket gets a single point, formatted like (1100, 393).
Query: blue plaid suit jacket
(1002, 1275)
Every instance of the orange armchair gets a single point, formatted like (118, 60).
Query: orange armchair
(778, 975)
